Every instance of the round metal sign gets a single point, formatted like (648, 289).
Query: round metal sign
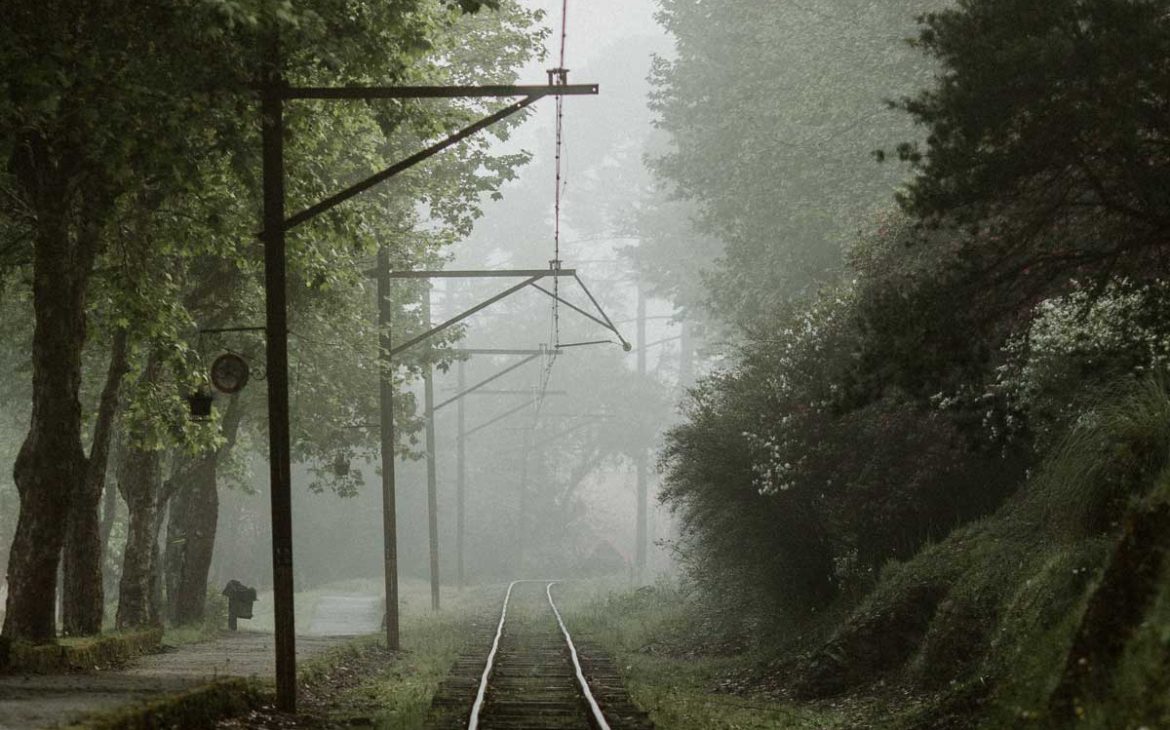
(229, 373)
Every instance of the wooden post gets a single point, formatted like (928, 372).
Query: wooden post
(432, 487)
(276, 327)
(460, 476)
(386, 422)
(641, 457)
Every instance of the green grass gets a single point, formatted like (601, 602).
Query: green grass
(648, 634)
(399, 698)
(199, 707)
(677, 694)
(404, 693)
(78, 654)
(1139, 688)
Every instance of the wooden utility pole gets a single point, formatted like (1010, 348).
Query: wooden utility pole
(386, 423)
(460, 475)
(432, 486)
(276, 327)
(274, 92)
(640, 460)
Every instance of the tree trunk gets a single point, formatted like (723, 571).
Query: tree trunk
(155, 605)
(109, 513)
(190, 541)
(51, 464)
(139, 474)
(83, 596)
(191, 529)
(139, 482)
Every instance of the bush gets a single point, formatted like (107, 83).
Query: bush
(792, 486)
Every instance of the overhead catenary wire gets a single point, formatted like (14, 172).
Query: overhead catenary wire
(558, 75)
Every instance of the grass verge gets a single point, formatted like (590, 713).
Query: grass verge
(431, 643)
(78, 654)
(647, 633)
(199, 708)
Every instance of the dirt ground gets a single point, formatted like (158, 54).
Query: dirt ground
(45, 701)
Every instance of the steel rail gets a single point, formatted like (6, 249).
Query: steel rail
(598, 717)
(485, 678)
(473, 721)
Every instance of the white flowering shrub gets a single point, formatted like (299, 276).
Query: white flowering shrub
(804, 363)
(1075, 345)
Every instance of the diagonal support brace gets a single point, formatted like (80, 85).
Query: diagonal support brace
(609, 323)
(501, 417)
(336, 199)
(466, 313)
(572, 306)
(486, 381)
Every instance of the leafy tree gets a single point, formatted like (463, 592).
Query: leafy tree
(771, 110)
(103, 105)
(334, 363)
(1046, 144)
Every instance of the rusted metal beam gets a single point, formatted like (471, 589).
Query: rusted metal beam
(386, 423)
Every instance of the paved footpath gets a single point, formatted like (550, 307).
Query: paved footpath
(40, 701)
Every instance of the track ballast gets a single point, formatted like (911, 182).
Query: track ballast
(534, 676)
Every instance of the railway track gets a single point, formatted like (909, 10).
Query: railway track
(534, 676)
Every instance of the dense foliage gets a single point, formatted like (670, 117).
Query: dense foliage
(770, 112)
(128, 220)
(966, 333)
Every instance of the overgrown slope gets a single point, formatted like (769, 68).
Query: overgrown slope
(1053, 610)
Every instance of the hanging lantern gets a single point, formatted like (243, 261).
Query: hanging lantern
(200, 404)
(341, 465)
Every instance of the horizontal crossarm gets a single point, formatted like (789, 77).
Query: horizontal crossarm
(502, 351)
(437, 92)
(480, 273)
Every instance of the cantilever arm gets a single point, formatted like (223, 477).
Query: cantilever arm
(608, 322)
(337, 198)
(465, 314)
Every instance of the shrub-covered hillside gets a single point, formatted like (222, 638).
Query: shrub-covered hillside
(945, 469)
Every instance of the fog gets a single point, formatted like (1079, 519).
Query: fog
(818, 366)
(551, 489)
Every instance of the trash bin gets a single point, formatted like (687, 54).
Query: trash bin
(240, 599)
